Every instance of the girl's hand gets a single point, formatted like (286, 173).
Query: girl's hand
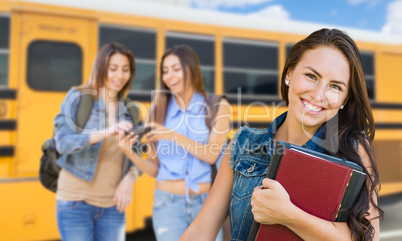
(124, 193)
(113, 130)
(159, 132)
(122, 126)
(271, 203)
(126, 142)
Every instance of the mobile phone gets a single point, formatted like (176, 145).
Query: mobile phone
(139, 130)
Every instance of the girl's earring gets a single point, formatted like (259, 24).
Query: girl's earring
(287, 82)
(342, 107)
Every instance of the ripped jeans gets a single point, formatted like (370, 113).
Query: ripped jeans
(172, 214)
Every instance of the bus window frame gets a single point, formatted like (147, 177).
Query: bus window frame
(28, 61)
(199, 37)
(253, 42)
(288, 46)
(6, 51)
(139, 95)
(372, 76)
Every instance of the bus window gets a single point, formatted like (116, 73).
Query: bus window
(204, 46)
(54, 66)
(4, 50)
(142, 43)
(288, 48)
(3, 68)
(368, 68)
(251, 66)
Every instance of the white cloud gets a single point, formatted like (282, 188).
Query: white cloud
(272, 12)
(213, 4)
(371, 3)
(356, 2)
(393, 23)
(363, 23)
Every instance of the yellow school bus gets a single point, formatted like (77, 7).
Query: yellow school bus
(48, 46)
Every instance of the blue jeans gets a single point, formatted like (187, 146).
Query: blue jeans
(79, 221)
(172, 214)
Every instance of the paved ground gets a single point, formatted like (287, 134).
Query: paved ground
(143, 235)
(391, 226)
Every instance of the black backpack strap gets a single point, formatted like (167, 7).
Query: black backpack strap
(253, 231)
(83, 111)
(135, 117)
(86, 103)
(134, 111)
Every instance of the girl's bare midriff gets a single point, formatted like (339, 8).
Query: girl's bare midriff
(179, 187)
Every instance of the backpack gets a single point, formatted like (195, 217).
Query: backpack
(213, 106)
(49, 170)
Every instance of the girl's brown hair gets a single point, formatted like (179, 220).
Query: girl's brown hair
(100, 66)
(191, 72)
(355, 121)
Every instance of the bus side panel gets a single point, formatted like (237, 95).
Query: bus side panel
(28, 211)
(389, 83)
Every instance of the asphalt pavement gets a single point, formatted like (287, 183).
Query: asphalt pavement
(391, 226)
(142, 235)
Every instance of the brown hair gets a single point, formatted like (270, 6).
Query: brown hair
(100, 66)
(189, 62)
(355, 120)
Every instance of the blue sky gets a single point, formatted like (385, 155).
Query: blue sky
(376, 15)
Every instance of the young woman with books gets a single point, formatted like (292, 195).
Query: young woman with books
(328, 111)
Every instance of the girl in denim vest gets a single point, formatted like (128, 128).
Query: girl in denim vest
(324, 87)
(182, 146)
(96, 181)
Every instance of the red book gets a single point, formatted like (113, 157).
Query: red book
(316, 183)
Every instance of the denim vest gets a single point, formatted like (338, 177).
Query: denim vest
(78, 156)
(250, 155)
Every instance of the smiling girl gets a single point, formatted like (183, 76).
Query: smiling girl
(183, 147)
(328, 111)
(96, 180)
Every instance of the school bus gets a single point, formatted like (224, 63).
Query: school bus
(48, 46)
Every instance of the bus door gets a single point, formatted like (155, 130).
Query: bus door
(51, 53)
(54, 50)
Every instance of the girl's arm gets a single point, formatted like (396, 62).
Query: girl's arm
(215, 209)
(111, 131)
(124, 192)
(272, 205)
(375, 222)
(68, 140)
(150, 164)
(65, 135)
(205, 152)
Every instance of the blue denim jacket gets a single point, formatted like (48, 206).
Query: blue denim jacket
(250, 155)
(78, 156)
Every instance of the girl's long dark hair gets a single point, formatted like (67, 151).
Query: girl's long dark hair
(190, 65)
(353, 124)
(100, 66)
